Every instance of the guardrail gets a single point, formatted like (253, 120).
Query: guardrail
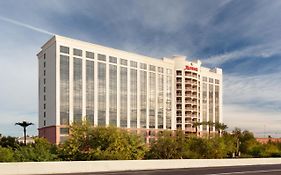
(125, 165)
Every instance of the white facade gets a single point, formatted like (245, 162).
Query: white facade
(105, 86)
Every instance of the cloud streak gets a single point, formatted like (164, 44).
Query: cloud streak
(263, 51)
(25, 25)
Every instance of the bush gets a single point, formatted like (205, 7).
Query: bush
(41, 150)
(101, 143)
(6, 155)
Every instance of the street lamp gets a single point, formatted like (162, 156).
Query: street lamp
(24, 124)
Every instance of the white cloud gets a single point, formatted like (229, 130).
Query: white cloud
(263, 50)
(252, 89)
(260, 121)
(253, 103)
(25, 25)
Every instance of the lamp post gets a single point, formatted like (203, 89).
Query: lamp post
(24, 124)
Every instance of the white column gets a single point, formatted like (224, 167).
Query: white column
(147, 97)
(96, 82)
(183, 99)
(156, 105)
(118, 93)
(83, 89)
(107, 93)
(138, 96)
(129, 98)
(164, 97)
(70, 86)
(173, 100)
(57, 85)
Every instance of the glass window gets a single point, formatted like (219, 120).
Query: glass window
(211, 80)
(90, 96)
(123, 96)
(64, 49)
(134, 87)
(101, 94)
(169, 86)
(205, 79)
(90, 55)
(133, 64)
(211, 102)
(44, 56)
(101, 57)
(152, 99)
(169, 71)
(179, 72)
(113, 95)
(152, 68)
(217, 105)
(77, 90)
(143, 66)
(160, 69)
(217, 81)
(143, 90)
(64, 90)
(160, 100)
(64, 131)
(124, 62)
(77, 52)
(112, 59)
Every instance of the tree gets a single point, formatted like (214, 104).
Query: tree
(24, 124)
(169, 145)
(101, 143)
(8, 142)
(41, 150)
(196, 124)
(210, 125)
(6, 155)
(220, 127)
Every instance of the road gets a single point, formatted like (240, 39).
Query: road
(245, 170)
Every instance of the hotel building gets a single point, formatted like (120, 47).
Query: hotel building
(109, 87)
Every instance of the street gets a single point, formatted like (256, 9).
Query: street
(247, 170)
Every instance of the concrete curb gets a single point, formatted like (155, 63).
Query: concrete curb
(125, 165)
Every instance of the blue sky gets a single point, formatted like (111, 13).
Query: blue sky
(242, 37)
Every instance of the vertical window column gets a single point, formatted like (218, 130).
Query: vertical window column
(143, 102)
(113, 95)
(64, 90)
(101, 94)
(123, 96)
(90, 96)
(77, 90)
(152, 99)
(133, 99)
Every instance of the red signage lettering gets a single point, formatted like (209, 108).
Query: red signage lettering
(191, 68)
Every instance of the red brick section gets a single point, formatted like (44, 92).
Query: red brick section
(266, 140)
(51, 133)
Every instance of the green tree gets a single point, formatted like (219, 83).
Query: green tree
(101, 143)
(196, 125)
(6, 155)
(41, 150)
(169, 145)
(220, 127)
(8, 142)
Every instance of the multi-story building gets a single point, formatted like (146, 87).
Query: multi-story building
(105, 86)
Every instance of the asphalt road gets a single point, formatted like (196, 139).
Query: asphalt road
(245, 170)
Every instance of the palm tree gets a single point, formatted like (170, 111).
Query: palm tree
(196, 124)
(24, 124)
(220, 127)
(211, 125)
